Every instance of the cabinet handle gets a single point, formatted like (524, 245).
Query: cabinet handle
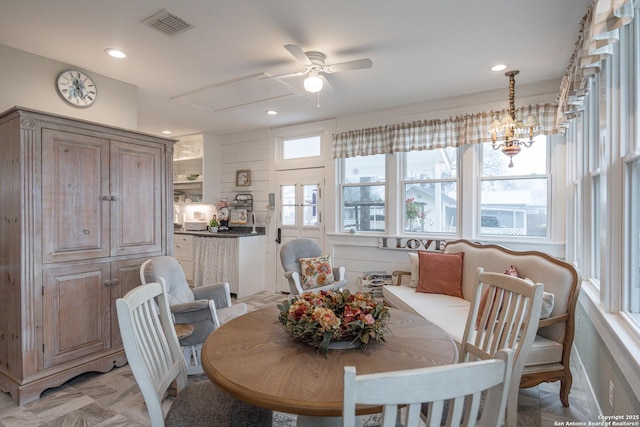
(111, 282)
(113, 198)
(105, 198)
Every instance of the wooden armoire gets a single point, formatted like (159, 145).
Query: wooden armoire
(82, 206)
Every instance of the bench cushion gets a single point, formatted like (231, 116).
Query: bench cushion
(450, 313)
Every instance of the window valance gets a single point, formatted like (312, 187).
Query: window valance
(599, 30)
(432, 134)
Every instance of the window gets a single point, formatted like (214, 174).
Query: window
(309, 204)
(513, 200)
(300, 148)
(593, 161)
(363, 193)
(430, 191)
(632, 297)
(631, 294)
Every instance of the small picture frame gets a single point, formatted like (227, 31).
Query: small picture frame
(243, 178)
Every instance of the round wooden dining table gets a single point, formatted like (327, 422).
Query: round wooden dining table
(254, 359)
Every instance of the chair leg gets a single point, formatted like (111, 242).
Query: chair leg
(191, 355)
(565, 388)
(511, 417)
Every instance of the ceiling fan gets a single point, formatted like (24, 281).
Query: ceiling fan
(313, 65)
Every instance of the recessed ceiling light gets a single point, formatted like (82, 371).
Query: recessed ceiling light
(166, 132)
(116, 53)
(271, 112)
(499, 67)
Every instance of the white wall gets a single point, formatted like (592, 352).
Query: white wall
(28, 81)
(257, 151)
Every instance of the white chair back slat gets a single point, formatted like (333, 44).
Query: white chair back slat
(508, 320)
(411, 388)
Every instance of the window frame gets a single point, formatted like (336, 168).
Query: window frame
(341, 187)
(403, 181)
(549, 188)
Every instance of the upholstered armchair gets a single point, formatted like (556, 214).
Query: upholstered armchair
(204, 307)
(290, 254)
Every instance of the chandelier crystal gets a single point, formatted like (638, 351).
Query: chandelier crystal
(509, 130)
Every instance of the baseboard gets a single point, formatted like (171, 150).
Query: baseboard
(577, 361)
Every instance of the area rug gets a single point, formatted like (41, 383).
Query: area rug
(281, 419)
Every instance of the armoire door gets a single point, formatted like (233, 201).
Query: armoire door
(136, 192)
(75, 196)
(76, 312)
(125, 275)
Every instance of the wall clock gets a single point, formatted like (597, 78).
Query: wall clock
(76, 88)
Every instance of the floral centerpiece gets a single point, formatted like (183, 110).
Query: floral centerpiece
(319, 319)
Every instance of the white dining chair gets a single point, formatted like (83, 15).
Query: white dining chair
(507, 319)
(154, 355)
(461, 385)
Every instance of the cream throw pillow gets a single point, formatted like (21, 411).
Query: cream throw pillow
(415, 269)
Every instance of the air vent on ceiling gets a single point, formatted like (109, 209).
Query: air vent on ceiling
(167, 23)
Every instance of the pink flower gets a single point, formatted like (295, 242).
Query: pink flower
(368, 319)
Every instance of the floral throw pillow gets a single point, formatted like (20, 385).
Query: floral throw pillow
(316, 271)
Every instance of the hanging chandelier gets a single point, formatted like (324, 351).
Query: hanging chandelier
(509, 129)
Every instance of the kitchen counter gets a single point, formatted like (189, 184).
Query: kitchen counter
(234, 232)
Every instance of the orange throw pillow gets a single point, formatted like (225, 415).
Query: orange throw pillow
(440, 273)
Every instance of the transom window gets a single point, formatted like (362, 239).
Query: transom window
(301, 148)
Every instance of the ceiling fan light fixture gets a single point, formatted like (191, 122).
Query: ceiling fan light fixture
(313, 83)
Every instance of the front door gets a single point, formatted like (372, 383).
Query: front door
(298, 211)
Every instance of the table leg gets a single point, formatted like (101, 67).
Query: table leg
(309, 421)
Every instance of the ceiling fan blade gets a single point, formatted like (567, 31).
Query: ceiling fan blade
(359, 64)
(298, 53)
(328, 87)
(285, 76)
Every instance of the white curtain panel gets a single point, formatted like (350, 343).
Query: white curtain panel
(214, 260)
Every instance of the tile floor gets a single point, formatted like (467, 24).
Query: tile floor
(113, 399)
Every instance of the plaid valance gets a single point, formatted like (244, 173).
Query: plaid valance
(433, 134)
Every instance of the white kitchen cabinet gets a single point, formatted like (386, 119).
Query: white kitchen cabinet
(183, 252)
(188, 162)
(236, 260)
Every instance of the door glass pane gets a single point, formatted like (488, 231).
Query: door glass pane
(288, 207)
(310, 205)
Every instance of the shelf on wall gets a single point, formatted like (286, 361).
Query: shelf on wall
(186, 185)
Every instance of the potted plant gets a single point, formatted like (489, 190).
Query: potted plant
(213, 225)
